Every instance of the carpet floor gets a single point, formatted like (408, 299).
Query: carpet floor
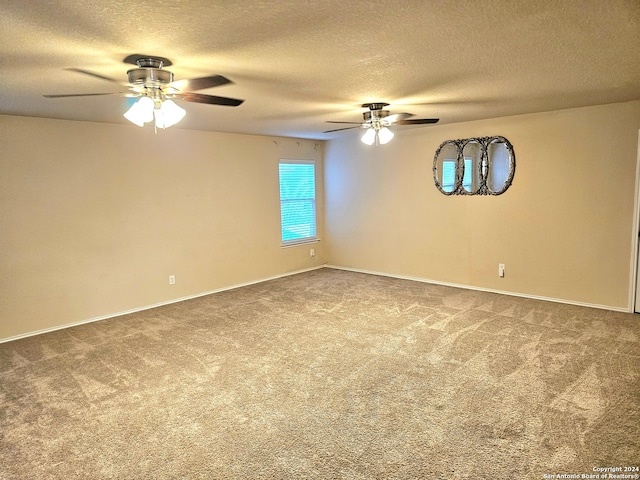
(327, 374)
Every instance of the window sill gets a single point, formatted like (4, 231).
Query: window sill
(301, 242)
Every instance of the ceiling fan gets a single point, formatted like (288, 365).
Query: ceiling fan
(376, 121)
(156, 89)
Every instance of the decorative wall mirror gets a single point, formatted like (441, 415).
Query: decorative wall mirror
(445, 167)
(471, 165)
(502, 165)
(474, 166)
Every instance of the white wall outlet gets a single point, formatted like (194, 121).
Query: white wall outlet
(172, 279)
(312, 252)
(501, 269)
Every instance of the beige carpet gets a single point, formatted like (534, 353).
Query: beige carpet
(326, 374)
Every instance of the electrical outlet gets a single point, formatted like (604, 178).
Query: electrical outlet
(312, 252)
(172, 279)
(501, 269)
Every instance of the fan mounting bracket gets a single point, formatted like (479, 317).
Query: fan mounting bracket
(147, 61)
(375, 106)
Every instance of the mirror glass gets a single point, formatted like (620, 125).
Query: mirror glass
(472, 156)
(474, 166)
(445, 167)
(499, 159)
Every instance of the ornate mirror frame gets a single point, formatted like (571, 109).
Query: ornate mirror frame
(483, 168)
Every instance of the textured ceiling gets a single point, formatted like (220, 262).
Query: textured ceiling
(299, 63)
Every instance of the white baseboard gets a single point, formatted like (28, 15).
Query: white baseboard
(155, 305)
(336, 267)
(470, 287)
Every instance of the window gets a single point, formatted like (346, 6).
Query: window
(467, 178)
(449, 174)
(297, 201)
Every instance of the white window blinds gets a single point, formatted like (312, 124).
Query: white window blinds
(449, 175)
(297, 201)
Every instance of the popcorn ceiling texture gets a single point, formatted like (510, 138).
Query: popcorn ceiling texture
(300, 63)
(326, 374)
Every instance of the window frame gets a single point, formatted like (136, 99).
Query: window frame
(313, 226)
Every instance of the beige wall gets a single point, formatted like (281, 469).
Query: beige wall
(95, 217)
(564, 229)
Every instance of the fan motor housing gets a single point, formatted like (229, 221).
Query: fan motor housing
(375, 114)
(149, 76)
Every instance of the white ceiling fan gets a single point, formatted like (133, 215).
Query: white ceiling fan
(376, 121)
(156, 89)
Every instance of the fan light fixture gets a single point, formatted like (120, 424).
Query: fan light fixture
(377, 134)
(168, 114)
(376, 121)
(369, 136)
(165, 112)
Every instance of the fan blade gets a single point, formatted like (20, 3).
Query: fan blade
(80, 95)
(210, 99)
(97, 75)
(339, 129)
(199, 83)
(353, 123)
(417, 121)
(396, 117)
